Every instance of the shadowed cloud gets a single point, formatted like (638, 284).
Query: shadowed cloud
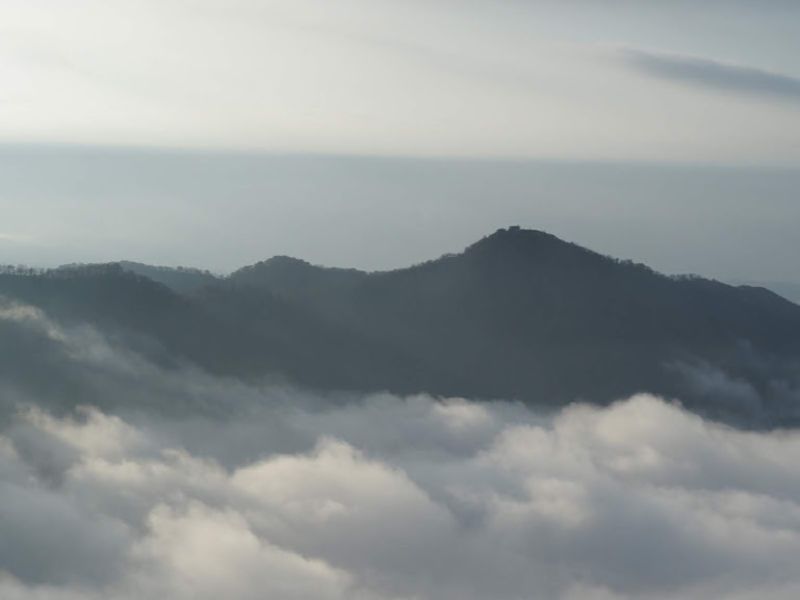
(708, 73)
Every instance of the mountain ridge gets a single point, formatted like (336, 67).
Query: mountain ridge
(163, 274)
(519, 314)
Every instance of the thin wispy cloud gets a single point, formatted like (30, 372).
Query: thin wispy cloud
(707, 73)
(18, 238)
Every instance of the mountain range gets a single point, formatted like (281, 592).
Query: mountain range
(520, 315)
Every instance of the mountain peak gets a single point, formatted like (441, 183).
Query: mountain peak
(516, 237)
(515, 243)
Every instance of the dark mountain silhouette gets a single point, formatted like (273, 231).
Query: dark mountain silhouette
(520, 314)
(787, 289)
(180, 279)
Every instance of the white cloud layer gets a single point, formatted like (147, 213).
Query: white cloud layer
(401, 498)
(189, 487)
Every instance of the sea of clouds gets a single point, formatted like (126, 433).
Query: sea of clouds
(150, 481)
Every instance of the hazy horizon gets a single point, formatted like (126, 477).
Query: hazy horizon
(222, 211)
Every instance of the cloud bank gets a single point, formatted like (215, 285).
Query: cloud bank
(403, 498)
(186, 486)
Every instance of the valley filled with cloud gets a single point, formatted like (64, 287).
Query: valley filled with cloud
(218, 488)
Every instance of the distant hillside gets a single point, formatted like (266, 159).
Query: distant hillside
(787, 289)
(180, 279)
(519, 314)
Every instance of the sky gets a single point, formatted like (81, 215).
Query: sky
(610, 80)
(122, 121)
